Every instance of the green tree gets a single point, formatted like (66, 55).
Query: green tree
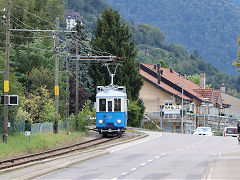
(113, 37)
(33, 56)
(32, 14)
(237, 61)
(80, 39)
(194, 78)
(37, 104)
(163, 64)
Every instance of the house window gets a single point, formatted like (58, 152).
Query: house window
(102, 105)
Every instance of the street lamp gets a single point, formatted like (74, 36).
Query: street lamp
(182, 85)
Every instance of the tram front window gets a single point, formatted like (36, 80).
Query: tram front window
(117, 105)
(102, 105)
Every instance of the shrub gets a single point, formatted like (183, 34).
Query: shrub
(81, 121)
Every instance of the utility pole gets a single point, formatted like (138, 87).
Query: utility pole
(56, 44)
(77, 81)
(67, 90)
(182, 105)
(6, 77)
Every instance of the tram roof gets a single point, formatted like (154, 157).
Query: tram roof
(111, 93)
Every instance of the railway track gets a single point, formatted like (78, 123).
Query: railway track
(9, 163)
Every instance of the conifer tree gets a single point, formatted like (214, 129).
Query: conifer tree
(113, 37)
(237, 61)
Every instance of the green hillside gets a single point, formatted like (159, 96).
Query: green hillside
(211, 27)
(152, 48)
(154, 40)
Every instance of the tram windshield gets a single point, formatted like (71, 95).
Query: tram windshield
(102, 105)
(117, 105)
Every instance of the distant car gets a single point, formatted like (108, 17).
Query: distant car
(207, 131)
(230, 132)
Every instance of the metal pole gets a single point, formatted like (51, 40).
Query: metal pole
(77, 81)
(6, 77)
(67, 89)
(182, 107)
(56, 44)
(204, 113)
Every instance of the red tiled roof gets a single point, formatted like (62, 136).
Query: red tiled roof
(163, 85)
(206, 93)
(176, 79)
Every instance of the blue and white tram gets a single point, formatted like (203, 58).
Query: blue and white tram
(111, 109)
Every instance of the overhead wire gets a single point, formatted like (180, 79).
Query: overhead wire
(35, 15)
(27, 37)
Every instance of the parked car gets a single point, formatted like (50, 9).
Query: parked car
(207, 131)
(230, 132)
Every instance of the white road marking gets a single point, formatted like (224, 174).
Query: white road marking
(156, 157)
(133, 169)
(186, 147)
(123, 146)
(123, 174)
(149, 160)
(114, 178)
(143, 164)
(163, 154)
(179, 149)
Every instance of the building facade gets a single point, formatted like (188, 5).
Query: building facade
(177, 103)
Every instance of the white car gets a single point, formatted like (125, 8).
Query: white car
(230, 131)
(207, 131)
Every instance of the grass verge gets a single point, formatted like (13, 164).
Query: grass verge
(18, 144)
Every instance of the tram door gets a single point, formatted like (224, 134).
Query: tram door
(110, 114)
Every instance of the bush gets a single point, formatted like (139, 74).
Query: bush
(134, 114)
(81, 121)
(151, 125)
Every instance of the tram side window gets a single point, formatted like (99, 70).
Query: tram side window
(102, 105)
(117, 105)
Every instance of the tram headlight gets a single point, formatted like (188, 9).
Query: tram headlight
(119, 121)
(100, 121)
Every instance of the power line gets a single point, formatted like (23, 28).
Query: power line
(21, 22)
(35, 15)
(27, 37)
(46, 50)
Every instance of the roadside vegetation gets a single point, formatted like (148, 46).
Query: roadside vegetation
(18, 144)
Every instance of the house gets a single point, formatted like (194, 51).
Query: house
(71, 18)
(234, 109)
(173, 100)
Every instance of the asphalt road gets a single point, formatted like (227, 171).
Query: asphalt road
(160, 156)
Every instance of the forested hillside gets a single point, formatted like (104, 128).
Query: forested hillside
(152, 39)
(152, 49)
(211, 27)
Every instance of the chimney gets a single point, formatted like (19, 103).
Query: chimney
(155, 66)
(161, 72)
(158, 73)
(223, 88)
(171, 70)
(202, 81)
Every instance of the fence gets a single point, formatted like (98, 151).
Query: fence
(44, 127)
(18, 127)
